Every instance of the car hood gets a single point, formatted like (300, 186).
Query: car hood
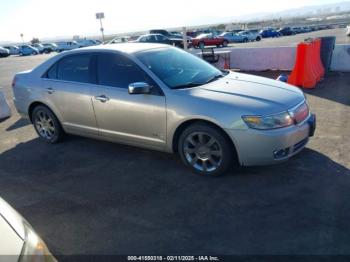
(255, 95)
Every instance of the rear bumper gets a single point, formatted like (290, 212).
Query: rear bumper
(21, 108)
(266, 147)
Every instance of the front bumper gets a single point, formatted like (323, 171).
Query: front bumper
(265, 147)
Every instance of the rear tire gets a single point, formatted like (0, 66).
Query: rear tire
(47, 125)
(206, 150)
(224, 44)
(201, 45)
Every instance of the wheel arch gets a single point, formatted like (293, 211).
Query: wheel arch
(34, 104)
(185, 124)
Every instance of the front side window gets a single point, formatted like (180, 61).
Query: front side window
(177, 68)
(119, 71)
(74, 68)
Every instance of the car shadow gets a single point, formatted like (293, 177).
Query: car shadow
(143, 201)
(21, 122)
(334, 87)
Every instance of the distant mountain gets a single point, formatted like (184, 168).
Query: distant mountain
(315, 10)
(306, 11)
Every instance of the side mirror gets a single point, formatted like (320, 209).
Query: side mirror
(139, 88)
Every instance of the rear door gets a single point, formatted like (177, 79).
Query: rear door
(68, 91)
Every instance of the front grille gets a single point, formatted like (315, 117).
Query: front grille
(300, 144)
(300, 113)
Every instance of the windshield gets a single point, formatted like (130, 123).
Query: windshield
(177, 68)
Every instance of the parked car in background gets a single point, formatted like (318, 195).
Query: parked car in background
(5, 111)
(235, 37)
(163, 98)
(251, 35)
(118, 40)
(178, 34)
(50, 47)
(86, 42)
(348, 30)
(19, 241)
(306, 29)
(4, 52)
(191, 34)
(204, 40)
(266, 33)
(14, 50)
(165, 33)
(286, 31)
(69, 45)
(297, 30)
(161, 39)
(174, 35)
(39, 46)
(28, 50)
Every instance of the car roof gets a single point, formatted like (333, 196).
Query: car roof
(151, 34)
(128, 48)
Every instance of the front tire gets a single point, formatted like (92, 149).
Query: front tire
(47, 125)
(206, 150)
(224, 44)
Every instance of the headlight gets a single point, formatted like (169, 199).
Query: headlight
(34, 248)
(269, 122)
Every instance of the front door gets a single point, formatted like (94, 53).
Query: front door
(138, 119)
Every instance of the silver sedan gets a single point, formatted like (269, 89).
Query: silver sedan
(163, 98)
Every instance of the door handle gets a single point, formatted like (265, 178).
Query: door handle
(50, 90)
(102, 98)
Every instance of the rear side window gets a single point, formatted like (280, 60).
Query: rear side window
(119, 71)
(52, 72)
(74, 68)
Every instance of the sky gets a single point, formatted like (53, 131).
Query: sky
(49, 19)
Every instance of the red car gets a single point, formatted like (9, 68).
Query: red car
(209, 40)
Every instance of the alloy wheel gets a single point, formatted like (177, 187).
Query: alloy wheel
(44, 124)
(202, 151)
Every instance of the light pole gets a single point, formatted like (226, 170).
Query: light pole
(101, 16)
(22, 38)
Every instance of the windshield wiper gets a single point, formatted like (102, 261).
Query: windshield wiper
(194, 84)
(214, 78)
(188, 85)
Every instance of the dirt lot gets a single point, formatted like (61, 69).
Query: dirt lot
(90, 197)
